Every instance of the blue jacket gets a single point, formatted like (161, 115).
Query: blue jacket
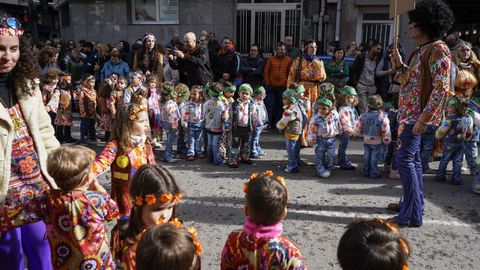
(455, 129)
(375, 127)
(121, 68)
(476, 130)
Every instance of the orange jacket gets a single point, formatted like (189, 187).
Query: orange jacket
(276, 71)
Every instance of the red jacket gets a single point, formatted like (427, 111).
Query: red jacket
(277, 70)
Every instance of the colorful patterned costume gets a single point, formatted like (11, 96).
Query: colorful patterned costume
(115, 101)
(122, 167)
(47, 93)
(154, 109)
(261, 248)
(61, 102)
(77, 236)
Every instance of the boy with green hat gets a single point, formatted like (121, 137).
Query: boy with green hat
(229, 90)
(291, 126)
(321, 132)
(244, 121)
(348, 119)
(258, 97)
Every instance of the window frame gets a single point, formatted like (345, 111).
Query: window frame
(157, 14)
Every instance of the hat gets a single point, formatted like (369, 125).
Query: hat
(11, 27)
(324, 101)
(137, 74)
(300, 89)
(167, 89)
(215, 91)
(326, 89)
(246, 88)
(88, 77)
(349, 91)
(259, 90)
(290, 95)
(230, 88)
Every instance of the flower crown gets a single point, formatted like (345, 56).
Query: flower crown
(10, 27)
(254, 176)
(133, 115)
(151, 199)
(192, 230)
(401, 241)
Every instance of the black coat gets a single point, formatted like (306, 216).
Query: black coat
(224, 63)
(252, 70)
(357, 69)
(195, 68)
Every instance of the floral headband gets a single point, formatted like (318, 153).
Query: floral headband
(11, 27)
(149, 35)
(192, 230)
(133, 115)
(151, 199)
(254, 176)
(401, 241)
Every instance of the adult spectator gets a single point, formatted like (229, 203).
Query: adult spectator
(175, 42)
(453, 41)
(352, 49)
(385, 74)
(224, 62)
(114, 65)
(91, 58)
(27, 137)
(331, 48)
(308, 71)
(213, 45)
(275, 76)
(252, 67)
(74, 66)
(124, 50)
(103, 57)
(193, 62)
(422, 95)
(292, 51)
(203, 40)
(337, 69)
(149, 59)
(362, 74)
(47, 59)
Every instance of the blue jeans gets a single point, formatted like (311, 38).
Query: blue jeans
(391, 155)
(454, 153)
(194, 135)
(273, 103)
(343, 161)
(181, 145)
(410, 170)
(255, 149)
(292, 158)
(471, 154)
(87, 129)
(213, 155)
(171, 137)
(426, 147)
(371, 156)
(325, 155)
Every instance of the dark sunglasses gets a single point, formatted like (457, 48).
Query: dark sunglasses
(12, 23)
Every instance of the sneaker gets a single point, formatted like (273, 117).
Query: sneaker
(292, 171)
(349, 167)
(464, 170)
(386, 168)
(394, 175)
(325, 174)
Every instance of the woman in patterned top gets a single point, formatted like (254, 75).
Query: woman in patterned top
(28, 136)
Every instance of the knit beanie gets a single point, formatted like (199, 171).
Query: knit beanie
(290, 95)
(246, 88)
(259, 90)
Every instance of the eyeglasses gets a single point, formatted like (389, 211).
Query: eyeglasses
(12, 23)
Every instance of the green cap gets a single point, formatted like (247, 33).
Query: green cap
(300, 89)
(230, 88)
(290, 95)
(324, 101)
(167, 88)
(349, 91)
(215, 91)
(326, 89)
(259, 90)
(245, 88)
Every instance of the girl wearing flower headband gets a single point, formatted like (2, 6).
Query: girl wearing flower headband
(374, 126)
(260, 244)
(170, 116)
(127, 150)
(155, 195)
(87, 106)
(348, 119)
(136, 80)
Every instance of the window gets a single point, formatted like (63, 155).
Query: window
(155, 11)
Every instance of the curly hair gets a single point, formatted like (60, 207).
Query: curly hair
(432, 17)
(26, 68)
(46, 53)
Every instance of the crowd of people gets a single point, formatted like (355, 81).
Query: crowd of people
(209, 102)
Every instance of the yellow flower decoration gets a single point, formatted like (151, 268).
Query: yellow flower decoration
(193, 232)
(253, 176)
(177, 198)
(166, 198)
(267, 173)
(281, 180)
(177, 223)
(138, 201)
(150, 199)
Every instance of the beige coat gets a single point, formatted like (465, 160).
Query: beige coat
(42, 132)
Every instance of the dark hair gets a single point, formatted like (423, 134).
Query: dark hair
(105, 89)
(336, 50)
(88, 44)
(266, 199)
(375, 43)
(372, 245)
(432, 17)
(45, 54)
(145, 54)
(280, 44)
(166, 246)
(149, 179)
(308, 42)
(375, 102)
(126, 46)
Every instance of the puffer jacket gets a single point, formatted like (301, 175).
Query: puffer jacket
(277, 70)
(40, 127)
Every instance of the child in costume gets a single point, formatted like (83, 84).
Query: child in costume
(74, 213)
(303, 105)
(321, 132)
(155, 194)
(373, 244)
(348, 119)
(258, 96)
(244, 121)
(193, 122)
(87, 105)
(182, 95)
(260, 244)
(455, 129)
(471, 147)
(374, 126)
(136, 84)
(179, 249)
(216, 121)
(229, 90)
(391, 156)
(127, 150)
(104, 117)
(291, 125)
(62, 100)
(170, 116)
(51, 79)
(153, 103)
(117, 99)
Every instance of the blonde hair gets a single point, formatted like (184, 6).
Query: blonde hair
(69, 164)
(473, 57)
(182, 92)
(103, 48)
(123, 124)
(52, 74)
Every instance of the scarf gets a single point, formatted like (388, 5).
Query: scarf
(463, 65)
(136, 140)
(261, 231)
(309, 58)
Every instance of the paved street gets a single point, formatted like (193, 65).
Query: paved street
(319, 209)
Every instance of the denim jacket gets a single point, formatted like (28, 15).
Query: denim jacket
(261, 112)
(321, 127)
(348, 118)
(192, 113)
(375, 127)
(214, 115)
(455, 129)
